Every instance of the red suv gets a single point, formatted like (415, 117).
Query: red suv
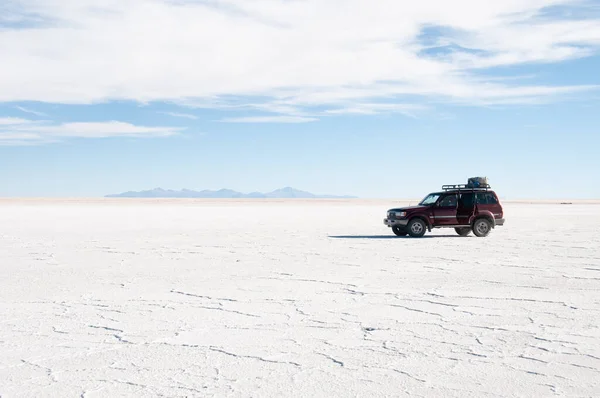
(465, 208)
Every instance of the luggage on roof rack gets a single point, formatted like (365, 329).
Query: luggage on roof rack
(477, 182)
(472, 184)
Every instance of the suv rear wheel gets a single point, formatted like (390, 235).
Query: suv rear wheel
(482, 227)
(463, 231)
(416, 227)
(399, 231)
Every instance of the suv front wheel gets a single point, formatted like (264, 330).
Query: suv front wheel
(416, 227)
(399, 231)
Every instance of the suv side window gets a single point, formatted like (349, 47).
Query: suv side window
(486, 198)
(448, 201)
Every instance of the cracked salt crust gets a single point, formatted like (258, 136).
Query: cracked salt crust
(101, 298)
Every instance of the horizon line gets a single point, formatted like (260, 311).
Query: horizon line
(338, 199)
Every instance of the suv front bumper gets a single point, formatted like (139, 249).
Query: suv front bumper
(395, 223)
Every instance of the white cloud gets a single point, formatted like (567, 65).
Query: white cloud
(29, 132)
(289, 55)
(269, 119)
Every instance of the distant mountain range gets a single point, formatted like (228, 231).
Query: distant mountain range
(283, 193)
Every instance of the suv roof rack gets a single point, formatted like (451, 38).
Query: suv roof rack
(465, 187)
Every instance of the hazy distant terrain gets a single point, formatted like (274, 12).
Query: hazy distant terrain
(276, 298)
(283, 193)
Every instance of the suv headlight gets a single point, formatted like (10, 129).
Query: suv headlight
(400, 214)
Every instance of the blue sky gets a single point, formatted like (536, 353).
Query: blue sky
(389, 103)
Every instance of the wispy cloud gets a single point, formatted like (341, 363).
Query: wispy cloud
(181, 115)
(103, 130)
(19, 131)
(30, 111)
(269, 119)
(12, 121)
(378, 108)
(291, 55)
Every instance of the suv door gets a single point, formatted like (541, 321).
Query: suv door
(465, 208)
(444, 212)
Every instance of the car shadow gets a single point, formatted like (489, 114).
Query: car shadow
(391, 236)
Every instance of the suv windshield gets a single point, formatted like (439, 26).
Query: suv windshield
(430, 199)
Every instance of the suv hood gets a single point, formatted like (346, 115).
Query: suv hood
(409, 208)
